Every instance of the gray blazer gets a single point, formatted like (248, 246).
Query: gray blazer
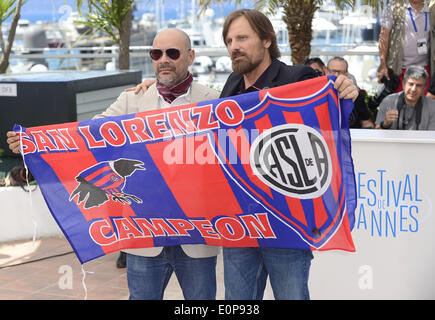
(427, 113)
(127, 103)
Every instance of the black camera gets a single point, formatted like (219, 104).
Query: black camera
(388, 87)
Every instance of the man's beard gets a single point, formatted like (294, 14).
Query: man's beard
(243, 66)
(167, 80)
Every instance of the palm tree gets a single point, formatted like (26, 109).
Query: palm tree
(6, 10)
(298, 16)
(113, 17)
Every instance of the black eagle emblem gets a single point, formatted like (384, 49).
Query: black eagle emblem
(105, 181)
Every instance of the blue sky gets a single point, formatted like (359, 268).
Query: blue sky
(52, 11)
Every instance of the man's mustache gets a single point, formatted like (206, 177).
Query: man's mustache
(236, 54)
(165, 66)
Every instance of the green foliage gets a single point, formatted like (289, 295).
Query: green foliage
(106, 15)
(272, 5)
(6, 9)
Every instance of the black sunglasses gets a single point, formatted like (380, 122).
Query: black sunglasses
(172, 53)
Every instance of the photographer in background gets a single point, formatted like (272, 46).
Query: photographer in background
(317, 64)
(409, 109)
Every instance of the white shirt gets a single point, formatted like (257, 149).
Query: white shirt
(410, 55)
(179, 101)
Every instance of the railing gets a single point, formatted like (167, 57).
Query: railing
(112, 52)
(97, 58)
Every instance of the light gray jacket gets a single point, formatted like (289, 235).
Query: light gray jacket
(127, 103)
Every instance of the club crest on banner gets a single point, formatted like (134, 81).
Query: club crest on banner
(292, 162)
(292, 159)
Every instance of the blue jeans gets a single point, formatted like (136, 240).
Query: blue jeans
(246, 271)
(148, 277)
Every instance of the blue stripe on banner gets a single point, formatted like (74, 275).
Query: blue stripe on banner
(85, 248)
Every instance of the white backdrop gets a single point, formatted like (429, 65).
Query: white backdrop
(394, 230)
(20, 214)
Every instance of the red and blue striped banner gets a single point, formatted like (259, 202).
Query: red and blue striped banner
(271, 168)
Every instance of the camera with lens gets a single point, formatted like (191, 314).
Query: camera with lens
(318, 73)
(387, 87)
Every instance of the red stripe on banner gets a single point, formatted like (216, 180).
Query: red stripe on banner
(98, 172)
(294, 204)
(342, 239)
(288, 104)
(293, 117)
(262, 125)
(333, 223)
(296, 210)
(322, 112)
(301, 104)
(245, 160)
(334, 96)
(321, 215)
(298, 89)
(108, 178)
(184, 178)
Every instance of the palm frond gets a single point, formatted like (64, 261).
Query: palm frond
(7, 8)
(204, 4)
(106, 15)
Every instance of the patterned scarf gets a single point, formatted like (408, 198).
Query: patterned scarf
(170, 94)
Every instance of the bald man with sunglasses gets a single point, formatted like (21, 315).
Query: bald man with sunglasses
(171, 55)
(149, 269)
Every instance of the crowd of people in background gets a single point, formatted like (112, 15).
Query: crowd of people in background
(406, 71)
